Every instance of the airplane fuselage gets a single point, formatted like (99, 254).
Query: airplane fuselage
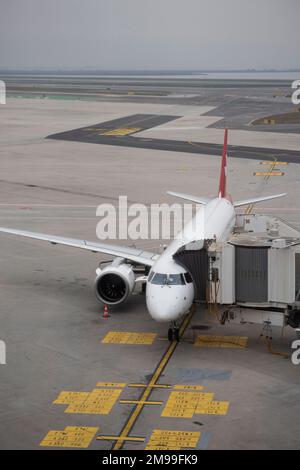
(169, 290)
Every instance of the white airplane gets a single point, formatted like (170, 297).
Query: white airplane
(169, 287)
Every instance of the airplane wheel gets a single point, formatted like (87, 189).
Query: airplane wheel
(170, 334)
(176, 334)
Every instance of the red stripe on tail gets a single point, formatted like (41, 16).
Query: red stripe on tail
(222, 183)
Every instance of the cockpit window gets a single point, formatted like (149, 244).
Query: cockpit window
(159, 279)
(150, 276)
(167, 279)
(176, 279)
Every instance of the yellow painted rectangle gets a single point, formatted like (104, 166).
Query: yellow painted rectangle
(213, 408)
(273, 163)
(183, 404)
(188, 441)
(210, 341)
(157, 447)
(270, 173)
(67, 398)
(123, 131)
(71, 436)
(111, 384)
(99, 401)
(189, 387)
(162, 439)
(123, 337)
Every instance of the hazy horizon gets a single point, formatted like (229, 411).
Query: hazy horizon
(137, 35)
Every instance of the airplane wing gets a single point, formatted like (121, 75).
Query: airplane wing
(133, 254)
(189, 197)
(253, 200)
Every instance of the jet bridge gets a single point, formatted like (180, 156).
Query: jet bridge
(256, 272)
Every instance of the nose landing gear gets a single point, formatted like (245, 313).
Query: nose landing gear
(173, 332)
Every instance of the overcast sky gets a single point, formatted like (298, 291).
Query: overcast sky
(150, 34)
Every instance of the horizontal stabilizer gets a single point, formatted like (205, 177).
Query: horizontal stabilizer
(189, 197)
(253, 200)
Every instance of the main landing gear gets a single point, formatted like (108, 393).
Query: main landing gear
(173, 332)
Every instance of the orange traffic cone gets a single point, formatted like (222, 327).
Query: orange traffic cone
(105, 313)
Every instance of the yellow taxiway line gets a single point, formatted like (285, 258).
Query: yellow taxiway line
(121, 439)
(153, 386)
(124, 436)
(137, 402)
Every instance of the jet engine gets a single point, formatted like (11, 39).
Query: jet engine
(115, 282)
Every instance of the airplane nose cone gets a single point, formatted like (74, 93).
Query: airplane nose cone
(163, 314)
(166, 303)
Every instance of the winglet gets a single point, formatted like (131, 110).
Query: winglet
(222, 183)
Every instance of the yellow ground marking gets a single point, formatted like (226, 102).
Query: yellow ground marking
(272, 167)
(193, 143)
(209, 341)
(162, 439)
(123, 337)
(68, 398)
(136, 402)
(184, 404)
(124, 131)
(117, 438)
(268, 162)
(153, 386)
(156, 375)
(71, 436)
(249, 209)
(98, 401)
(94, 129)
(272, 173)
(212, 408)
(111, 384)
(266, 175)
(189, 387)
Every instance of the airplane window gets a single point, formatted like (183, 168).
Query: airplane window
(188, 278)
(176, 279)
(159, 279)
(150, 276)
(168, 279)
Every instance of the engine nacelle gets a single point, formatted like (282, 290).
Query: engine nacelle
(114, 283)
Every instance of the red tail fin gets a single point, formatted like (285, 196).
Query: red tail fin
(222, 183)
